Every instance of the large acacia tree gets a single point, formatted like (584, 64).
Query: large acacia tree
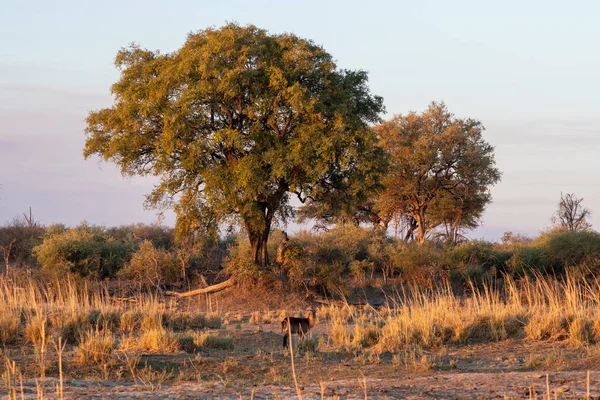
(235, 123)
(441, 170)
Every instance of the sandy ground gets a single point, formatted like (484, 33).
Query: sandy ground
(508, 385)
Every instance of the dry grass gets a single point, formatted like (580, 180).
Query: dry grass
(183, 321)
(92, 321)
(152, 322)
(95, 348)
(208, 341)
(416, 321)
(414, 359)
(256, 318)
(157, 340)
(538, 309)
(36, 331)
(9, 327)
(131, 321)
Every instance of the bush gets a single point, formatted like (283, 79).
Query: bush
(526, 260)
(419, 262)
(21, 238)
(569, 248)
(321, 261)
(150, 266)
(86, 251)
(240, 264)
(342, 245)
(360, 269)
(213, 321)
(479, 253)
(161, 237)
(385, 254)
(511, 241)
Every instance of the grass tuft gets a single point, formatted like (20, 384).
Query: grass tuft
(152, 341)
(10, 325)
(95, 347)
(209, 341)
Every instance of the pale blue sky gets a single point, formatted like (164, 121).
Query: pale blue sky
(530, 70)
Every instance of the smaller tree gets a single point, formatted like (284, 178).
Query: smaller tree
(440, 173)
(571, 215)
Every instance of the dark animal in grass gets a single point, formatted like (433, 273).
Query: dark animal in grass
(298, 326)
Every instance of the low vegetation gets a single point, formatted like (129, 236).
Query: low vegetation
(115, 320)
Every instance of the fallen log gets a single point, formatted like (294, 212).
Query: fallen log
(210, 289)
(342, 303)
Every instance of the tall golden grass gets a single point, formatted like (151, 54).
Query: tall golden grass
(97, 326)
(539, 308)
(92, 323)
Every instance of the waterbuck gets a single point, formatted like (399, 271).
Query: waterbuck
(299, 326)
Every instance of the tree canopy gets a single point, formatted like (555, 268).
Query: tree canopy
(440, 171)
(234, 123)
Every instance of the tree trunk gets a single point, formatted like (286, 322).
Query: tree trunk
(258, 242)
(410, 229)
(258, 227)
(281, 249)
(422, 228)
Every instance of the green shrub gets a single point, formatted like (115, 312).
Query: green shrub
(321, 261)
(569, 248)
(478, 253)
(294, 267)
(326, 278)
(213, 321)
(511, 241)
(240, 264)
(85, 250)
(360, 269)
(527, 260)
(385, 254)
(186, 342)
(343, 244)
(420, 262)
(161, 237)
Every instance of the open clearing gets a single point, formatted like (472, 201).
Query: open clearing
(258, 367)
